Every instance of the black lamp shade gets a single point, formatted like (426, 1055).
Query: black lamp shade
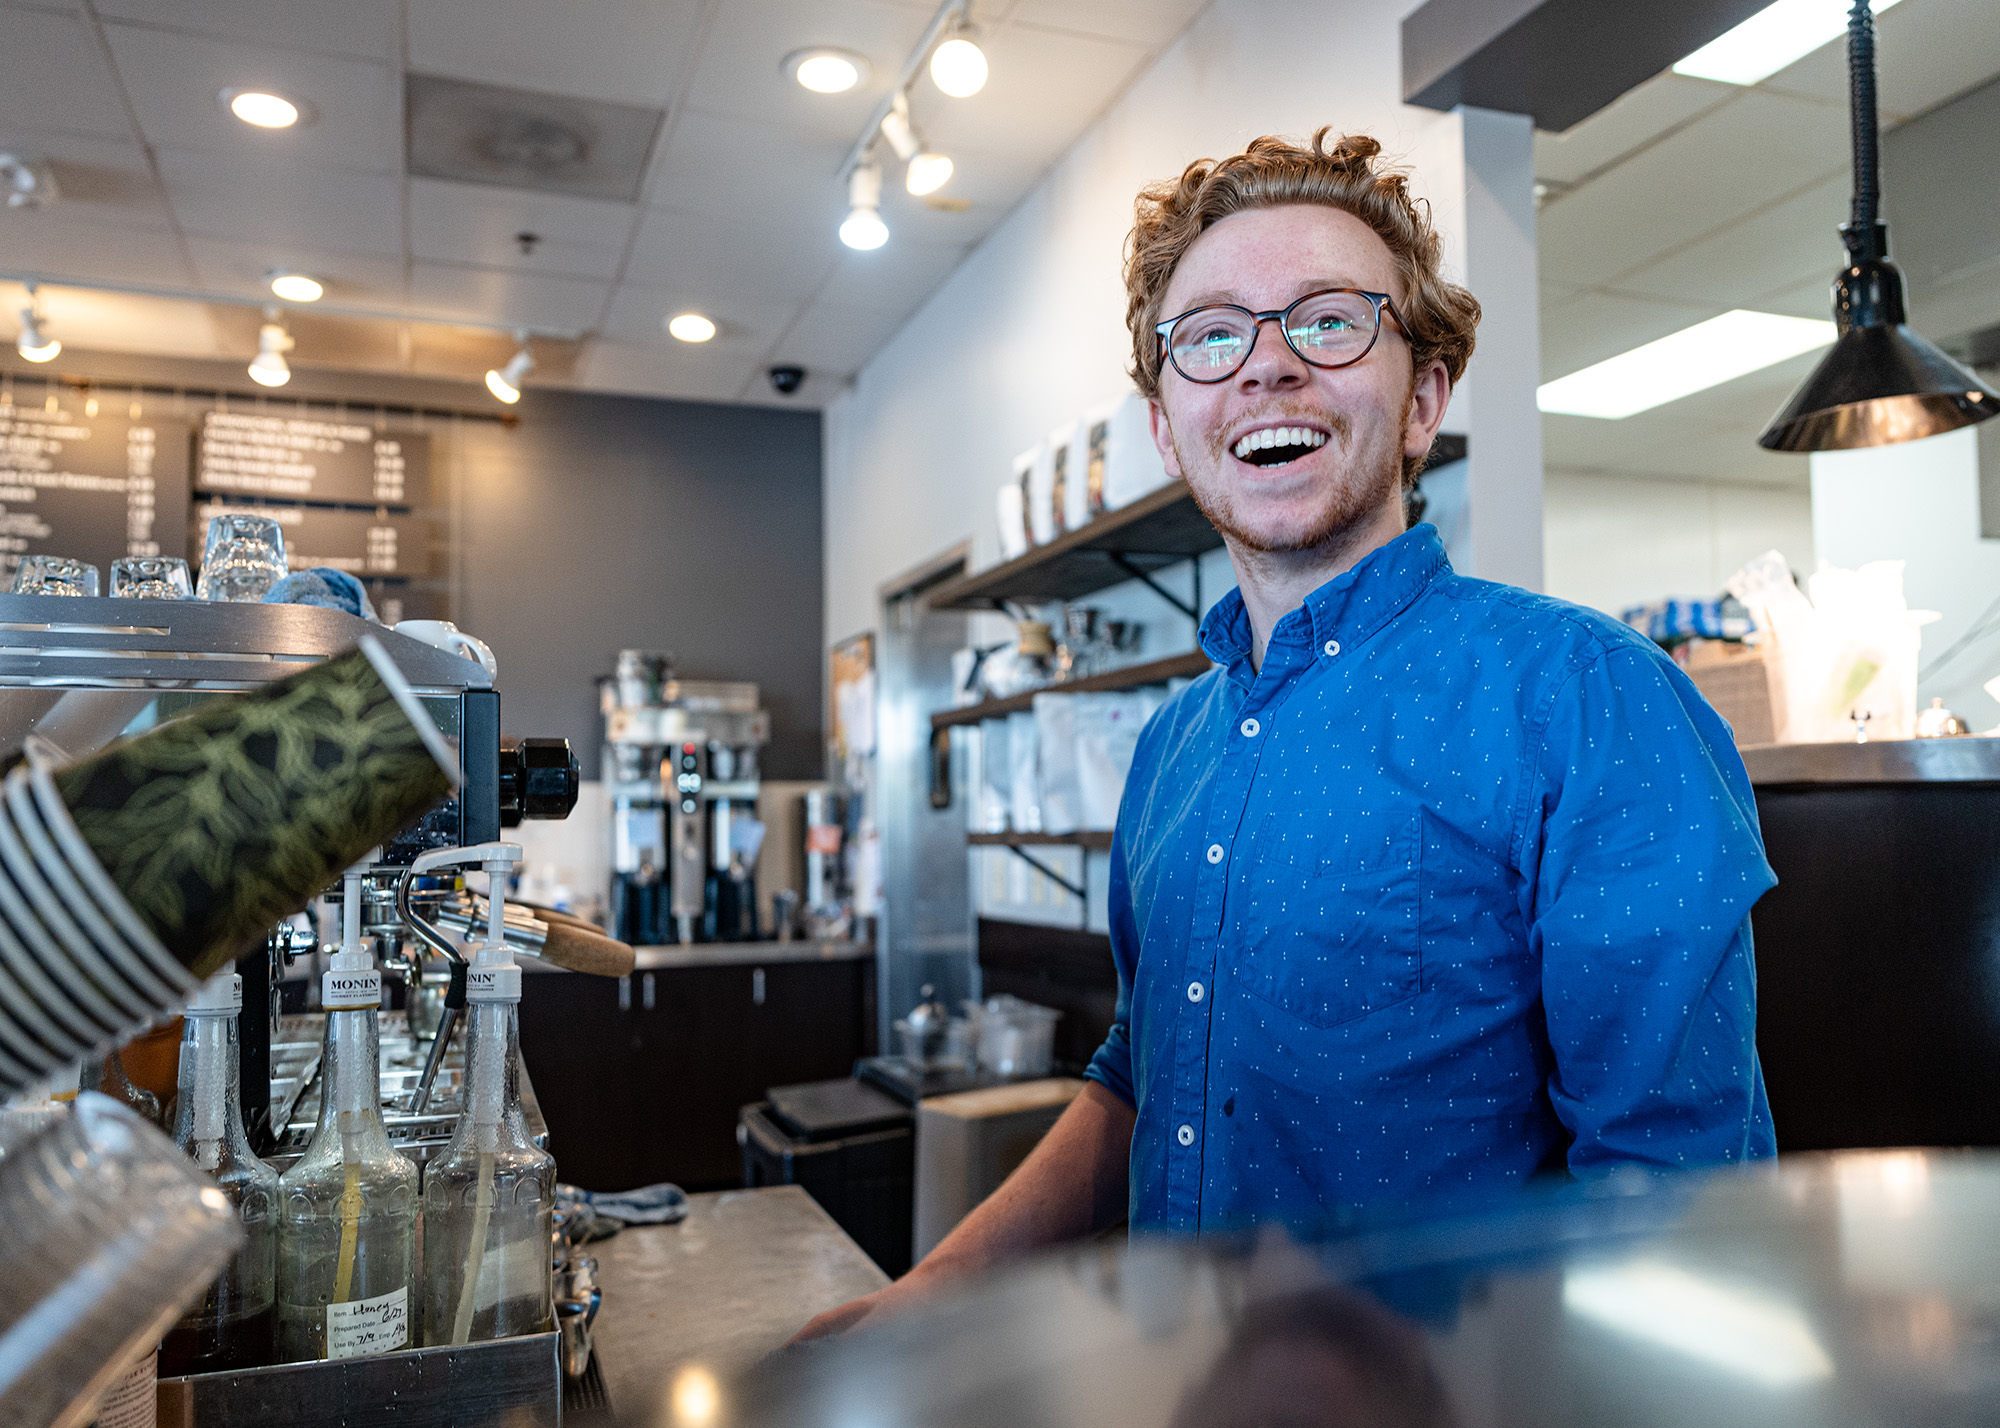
(1877, 386)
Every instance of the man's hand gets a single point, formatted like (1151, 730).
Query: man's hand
(1071, 1184)
(887, 1300)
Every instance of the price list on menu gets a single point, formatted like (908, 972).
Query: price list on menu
(95, 485)
(259, 456)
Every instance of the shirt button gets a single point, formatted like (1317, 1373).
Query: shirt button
(1250, 728)
(1215, 852)
(1185, 1135)
(1332, 648)
(1194, 991)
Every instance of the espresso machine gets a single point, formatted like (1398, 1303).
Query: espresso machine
(681, 766)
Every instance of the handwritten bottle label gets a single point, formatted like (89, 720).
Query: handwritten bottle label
(368, 1326)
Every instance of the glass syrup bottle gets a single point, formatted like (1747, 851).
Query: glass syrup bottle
(235, 1324)
(490, 1195)
(348, 1209)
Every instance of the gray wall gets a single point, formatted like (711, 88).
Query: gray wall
(586, 525)
(601, 523)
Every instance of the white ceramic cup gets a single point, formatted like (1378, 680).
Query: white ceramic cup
(448, 637)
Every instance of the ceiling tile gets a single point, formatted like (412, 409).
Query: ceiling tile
(1044, 90)
(1685, 186)
(1926, 51)
(277, 202)
(106, 179)
(721, 250)
(897, 276)
(1773, 249)
(559, 305)
(53, 76)
(1595, 325)
(739, 73)
(358, 279)
(1635, 118)
(753, 170)
(55, 244)
(832, 339)
(368, 29)
(1709, 435)
(1151, 23)
(633, 51)
(471, 223)
(174, 81)
(699, 377)
(745, 322)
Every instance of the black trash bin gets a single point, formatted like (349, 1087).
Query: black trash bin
(848, 1146)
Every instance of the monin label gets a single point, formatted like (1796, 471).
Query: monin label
(345, 991)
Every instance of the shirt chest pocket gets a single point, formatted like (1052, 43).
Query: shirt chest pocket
(1329, 924)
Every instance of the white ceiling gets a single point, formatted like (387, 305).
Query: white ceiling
(737, 217)
(1687, 198)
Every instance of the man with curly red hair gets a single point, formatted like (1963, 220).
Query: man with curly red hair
(1432, 884)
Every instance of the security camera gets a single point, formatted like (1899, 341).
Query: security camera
(786, 380)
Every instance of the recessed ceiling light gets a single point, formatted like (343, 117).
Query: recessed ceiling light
(691, 327)
(297, 287)
(262, 108)
(1770, 39)
(1682, 363)
(826, 70)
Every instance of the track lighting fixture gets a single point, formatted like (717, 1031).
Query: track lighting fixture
(295, 287)
(924, 172)
(958, 66)
(505, 382)
(34, 344)
(269, 367)
(864, 228)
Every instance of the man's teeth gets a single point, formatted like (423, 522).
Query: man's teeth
(1276, 436)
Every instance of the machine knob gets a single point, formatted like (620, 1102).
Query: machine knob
(538, 779)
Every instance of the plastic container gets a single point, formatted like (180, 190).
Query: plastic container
(1017, 1038)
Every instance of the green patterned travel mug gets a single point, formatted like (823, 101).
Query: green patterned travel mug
(218, 823)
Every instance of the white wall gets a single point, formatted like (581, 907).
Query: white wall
(1618, 541)
(1919, 502)
(1030, 330)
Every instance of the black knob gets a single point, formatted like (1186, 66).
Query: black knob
(538, 779)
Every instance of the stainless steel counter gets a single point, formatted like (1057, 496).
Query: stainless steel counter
(1963, 760)
(687, 1306)
(730, 954)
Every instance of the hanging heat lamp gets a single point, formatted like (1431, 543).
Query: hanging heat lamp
(1882, 383)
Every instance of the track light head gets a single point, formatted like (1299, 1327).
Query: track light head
(269, 367)
(958, 66)
(864, 228)
(505, 382)
(34, 344)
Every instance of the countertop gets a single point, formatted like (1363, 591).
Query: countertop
(687, 1306)
(1971, 759)
(730, 954)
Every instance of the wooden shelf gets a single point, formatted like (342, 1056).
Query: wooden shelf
(1161, 528)
(1133, 676)
(1098, 838)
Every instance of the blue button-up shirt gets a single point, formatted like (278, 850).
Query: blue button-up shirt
(1455, 888)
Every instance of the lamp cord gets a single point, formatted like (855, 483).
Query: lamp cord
(1861, 235)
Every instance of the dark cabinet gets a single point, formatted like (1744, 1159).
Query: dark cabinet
(640, 1080)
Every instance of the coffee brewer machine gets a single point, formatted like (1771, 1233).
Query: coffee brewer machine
(680, 763)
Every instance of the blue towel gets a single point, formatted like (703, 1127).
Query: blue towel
(649, 1205)
(325, 587)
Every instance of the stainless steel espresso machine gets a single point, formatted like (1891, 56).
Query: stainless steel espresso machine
(681, 766)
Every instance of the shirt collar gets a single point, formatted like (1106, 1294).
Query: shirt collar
(1350, 607)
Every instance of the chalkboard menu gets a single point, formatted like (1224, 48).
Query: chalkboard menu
(94, 487)
(363, 543)
(311, 458)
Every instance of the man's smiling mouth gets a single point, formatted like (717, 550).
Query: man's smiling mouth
(1276, 445)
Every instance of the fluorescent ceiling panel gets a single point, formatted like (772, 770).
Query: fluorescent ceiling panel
(1682, 363)
(1770, 39)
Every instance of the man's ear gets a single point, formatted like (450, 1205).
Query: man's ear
(1163, 438)
(1430, 394)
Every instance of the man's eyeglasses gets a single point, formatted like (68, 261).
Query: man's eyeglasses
(1333, 328)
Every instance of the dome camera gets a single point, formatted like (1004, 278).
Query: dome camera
(787, 380)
